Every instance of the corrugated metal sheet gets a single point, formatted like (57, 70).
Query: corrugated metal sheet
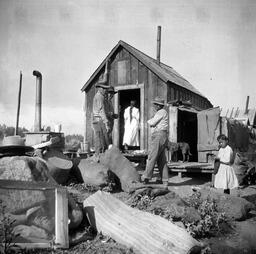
(163, 71)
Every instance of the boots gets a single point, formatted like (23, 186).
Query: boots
(165, 184)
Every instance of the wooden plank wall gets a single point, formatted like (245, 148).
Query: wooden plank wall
(138, 73)
(175, 92)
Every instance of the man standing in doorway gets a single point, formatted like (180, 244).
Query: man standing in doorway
(131, 125)
(100, 121)
(110, 112)
(159, 126)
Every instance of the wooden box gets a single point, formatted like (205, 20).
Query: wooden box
(38, 211)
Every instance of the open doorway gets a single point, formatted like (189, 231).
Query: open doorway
(125, 96)
(187, 131)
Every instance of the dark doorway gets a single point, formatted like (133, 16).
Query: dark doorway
(187, 131)
(125, 96)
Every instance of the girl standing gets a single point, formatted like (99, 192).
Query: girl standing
(225, 178)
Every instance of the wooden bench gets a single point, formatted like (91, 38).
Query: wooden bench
(191, 167)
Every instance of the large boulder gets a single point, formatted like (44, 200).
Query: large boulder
(175, 206)
(24, 168)
(92, 173)
(235, 208)
(128, 176)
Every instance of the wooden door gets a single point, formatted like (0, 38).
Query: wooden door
(208, 131)
(116, 133)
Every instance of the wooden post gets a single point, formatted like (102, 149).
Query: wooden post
(227, 112)
(61, 218)
(231, 113)
(18, 108)
(237, 112)
(247, 105)
(85, 116)
(158, 44)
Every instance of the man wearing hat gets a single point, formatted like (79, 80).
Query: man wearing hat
(110, 111)
(159, 127)
(100, 120)
(14, 146)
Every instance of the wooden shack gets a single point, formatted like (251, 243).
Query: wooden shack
(135, 75)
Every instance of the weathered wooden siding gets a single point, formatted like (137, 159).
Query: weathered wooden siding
(131, 72)
(89, 131)
(175, 92)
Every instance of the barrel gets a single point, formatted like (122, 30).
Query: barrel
(85, 147)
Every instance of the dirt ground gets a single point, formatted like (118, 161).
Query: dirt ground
(238, 238)
(242, 235)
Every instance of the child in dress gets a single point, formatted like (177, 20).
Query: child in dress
(225, 178)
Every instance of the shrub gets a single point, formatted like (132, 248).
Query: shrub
(141, 202)
(211, 219)
(7, 237)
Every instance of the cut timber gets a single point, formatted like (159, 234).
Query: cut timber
(141, 231)
(190, 167)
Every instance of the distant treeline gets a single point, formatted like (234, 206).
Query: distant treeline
(9, 131)
(72, 142)
(77, 137)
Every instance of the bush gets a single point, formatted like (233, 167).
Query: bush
(7, 237)
(211, 220)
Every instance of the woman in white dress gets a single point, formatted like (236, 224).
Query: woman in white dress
(225, 178)
(131, 125)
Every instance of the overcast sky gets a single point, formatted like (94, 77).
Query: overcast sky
(210, 43)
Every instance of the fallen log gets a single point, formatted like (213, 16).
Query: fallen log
(141, 231)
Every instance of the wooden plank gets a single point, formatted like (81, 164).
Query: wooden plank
(128, 66)
(89, 130)
(146, 103)
(142, 73)
(189, 165)
(111, 73)
(85, 115)
(162, 90)
(125, 54)
(25, 185)
(61, 218)
(207, 147)
(173, 123)
(121, 72)
(150, 96)
(139, 230)
(134, 70)
(115, 72)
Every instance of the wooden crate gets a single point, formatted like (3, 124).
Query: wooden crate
(39, 211)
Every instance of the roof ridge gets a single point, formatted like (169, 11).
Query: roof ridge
(155, 61)
(162, 70)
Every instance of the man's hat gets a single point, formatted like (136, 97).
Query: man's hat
(14, 144)
(159, 101)
(111, 90)
(103, 84)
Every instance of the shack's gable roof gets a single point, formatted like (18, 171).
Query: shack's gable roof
(163, 71)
